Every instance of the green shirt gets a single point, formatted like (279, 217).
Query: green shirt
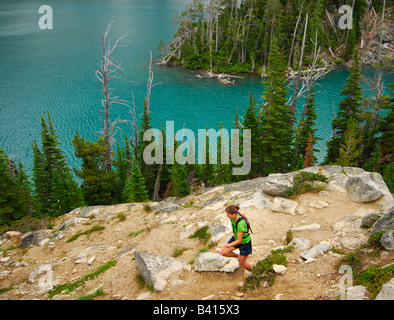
(241, 227)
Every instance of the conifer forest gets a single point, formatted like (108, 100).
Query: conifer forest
(289, 43)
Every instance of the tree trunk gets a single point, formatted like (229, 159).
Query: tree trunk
(294, 36)
(297, 84)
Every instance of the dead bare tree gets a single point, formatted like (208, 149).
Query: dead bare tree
(297, 83)
(109, 70)
(294, 35)
(149, 85)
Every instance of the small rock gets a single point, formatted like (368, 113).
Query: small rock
(284, 205)
(5, 259)
(316, 250)
(318, 204)
(4, 273)
(313, 226)
(279, 269)
(278, 296)
(387, 240)
(33, 238)
(310, 260)
(144, 296)
(300, 243)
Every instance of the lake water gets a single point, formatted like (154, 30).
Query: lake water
(54, 70)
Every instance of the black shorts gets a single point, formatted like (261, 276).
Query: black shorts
(244, 249)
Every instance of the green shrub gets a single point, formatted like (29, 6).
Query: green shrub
(96, 227)
(69, 287)
(302, 183)
(202, 234)
(374, 277)
(265, 268)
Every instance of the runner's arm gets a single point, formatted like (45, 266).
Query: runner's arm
(238, 241)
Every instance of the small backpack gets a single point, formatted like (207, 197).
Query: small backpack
(247, 222)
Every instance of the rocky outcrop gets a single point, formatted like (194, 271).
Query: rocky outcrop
(363, 190)
(387, 240)
(277, 184)
(387, 292)
(385, 222)
(33, 238)
(210, 261)
(156, 269)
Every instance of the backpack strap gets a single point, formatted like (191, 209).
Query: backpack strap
(245, 234)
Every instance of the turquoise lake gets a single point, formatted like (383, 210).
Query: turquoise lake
(54, 70)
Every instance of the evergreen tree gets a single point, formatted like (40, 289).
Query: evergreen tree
(122, 165)
(386, 164)
(98, 186)
(276, 117)
(237, 121)
(308, 158)
(13, 204)
(386, 127)
(250, 121)
(204, 170)
(222, 171)
(56, 192)
(135, 189)
(306, 127)
(350, 107)
(148, 171)
(349, 150)
(24, 187)
(179, 183)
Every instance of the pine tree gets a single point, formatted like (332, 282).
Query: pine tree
(122, 165)
(250, 121)
(308, 158)
(12, 203)
(179, 183)
(386, 127)
(350, 107)
(306, 127)
(98, 186)
(349, 150)
(56, 192)
(135, 188)
(222, 171)
(386, 164)
(276, 117)
(148, 171)
(204, 170)
(25, 189)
